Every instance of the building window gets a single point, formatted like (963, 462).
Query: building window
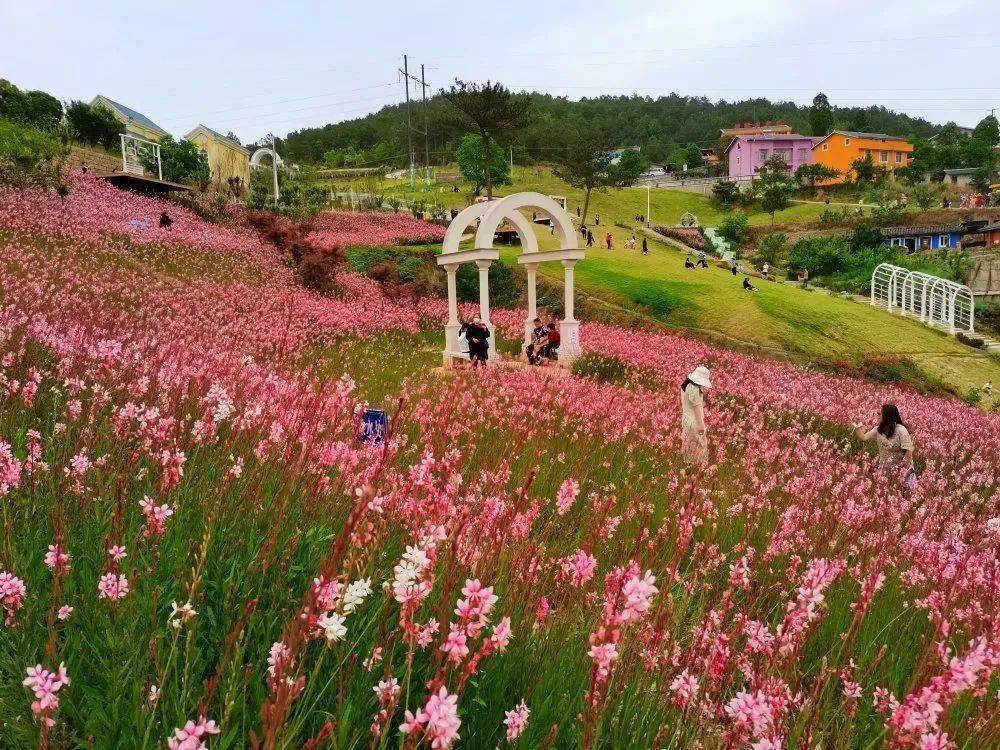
(785, 154)
(737, 160)
(826, 146)
(847, 141)
(899, 157)
(944, 241)
(763, 154)
(883, 156)
(803, 155)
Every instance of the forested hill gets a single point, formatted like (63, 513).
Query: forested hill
(658, 125)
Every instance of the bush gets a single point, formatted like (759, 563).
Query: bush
(181, 161)
(988, 316)
(772, 249)
(735, 229)
(972, 397)
(726, 192)
(34, 108)
(316, 267)
(504, 291)
(94, 126)
(976, 342)
(29, 156)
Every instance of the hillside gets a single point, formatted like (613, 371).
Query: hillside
(199, 549)
(658, 125)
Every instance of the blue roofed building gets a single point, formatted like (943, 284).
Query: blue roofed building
(135, 122)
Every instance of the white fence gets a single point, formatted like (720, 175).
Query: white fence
(930, 299)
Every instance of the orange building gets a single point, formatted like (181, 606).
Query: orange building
(842, 147)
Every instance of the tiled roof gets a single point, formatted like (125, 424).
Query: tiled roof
(914, 231)
(132, 114)
(858, 134)
(220, 136)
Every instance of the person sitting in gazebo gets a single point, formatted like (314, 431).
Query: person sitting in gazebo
(478, 336)
(552, 340)
(538, 336)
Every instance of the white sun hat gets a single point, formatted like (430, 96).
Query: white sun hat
(701, 376)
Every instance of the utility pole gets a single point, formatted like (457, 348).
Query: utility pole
(512, 162)
(409, 122)
(274, 167)
(427, 147)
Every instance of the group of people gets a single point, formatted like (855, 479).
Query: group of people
(702, 262)
(974, 200)
(609, 241)
(477, 336)
(545, 340)
(892, 438)
(165, 222)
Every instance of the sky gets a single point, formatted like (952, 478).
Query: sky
(256, 68)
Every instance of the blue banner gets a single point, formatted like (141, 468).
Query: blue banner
(374, 426)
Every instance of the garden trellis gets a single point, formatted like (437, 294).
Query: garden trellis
(930, 299)
(490, 215)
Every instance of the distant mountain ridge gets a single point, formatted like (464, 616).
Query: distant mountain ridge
(657, 125)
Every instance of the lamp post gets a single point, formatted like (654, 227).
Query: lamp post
(647, 204)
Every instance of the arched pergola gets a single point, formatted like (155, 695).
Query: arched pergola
(490, 215)
(931, 299)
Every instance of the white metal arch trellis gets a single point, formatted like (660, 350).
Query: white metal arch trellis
(931, 299)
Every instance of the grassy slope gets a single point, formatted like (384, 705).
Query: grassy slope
(780, 318)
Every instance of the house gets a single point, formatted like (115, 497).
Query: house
(135, 123)
(935, 237)
(710, 157)
(227, 159)
(992, 233)
(961, 176)
(842, 147)
(747, 152)
(755, 128)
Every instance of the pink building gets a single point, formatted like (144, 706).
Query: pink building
(747, 152)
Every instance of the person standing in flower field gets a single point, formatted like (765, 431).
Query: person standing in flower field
(895, 447)
(694, 431)
(478, 336)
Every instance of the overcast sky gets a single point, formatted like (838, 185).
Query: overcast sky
(283, 66)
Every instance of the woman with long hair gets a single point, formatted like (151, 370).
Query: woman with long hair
(693, 429)
(895, 446)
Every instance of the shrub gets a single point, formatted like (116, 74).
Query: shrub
(726, 193)
(735, 229)
(181, 161)
(972, 397)
(976, 342)
(988, 316)
(34, 108)
(504, 291)
(29, 156)
(772, 249)
(94, 126)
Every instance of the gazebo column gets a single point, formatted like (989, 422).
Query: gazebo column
(569, 348)
(453, 325)
(484, 304)
(529, 323)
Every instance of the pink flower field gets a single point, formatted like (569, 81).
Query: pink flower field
(197, 551)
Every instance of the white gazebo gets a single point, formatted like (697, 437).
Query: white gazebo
(490, 215)
(930, 299)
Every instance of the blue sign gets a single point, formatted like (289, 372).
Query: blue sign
(374, 426)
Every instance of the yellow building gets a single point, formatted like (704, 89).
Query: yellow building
(227, 159)
(135, 123)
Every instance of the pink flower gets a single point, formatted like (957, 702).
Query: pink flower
(580, 567)
(45, 685)
(442, 719)
(64, 612)
(12, 593)
(685, 687)
(193, 735)
(568, 491)
(113, 587)
(604, 655)
(57, 559)
(117, 553)
(455, 644)
(516, 720)
(156, 517)
(10, 469)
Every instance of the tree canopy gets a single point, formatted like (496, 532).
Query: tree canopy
(470, 162)
(589, 164)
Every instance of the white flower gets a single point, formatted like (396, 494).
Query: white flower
(356, 593)
(333, 627)
(180, 615)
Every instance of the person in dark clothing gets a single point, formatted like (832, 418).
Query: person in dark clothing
(477, 334)
(747, 286)
(702, 261)
(597, 220)
(165, 221)
(688, 263)
(538, 337)
(645, 247)
(553, 339)
(590, 238)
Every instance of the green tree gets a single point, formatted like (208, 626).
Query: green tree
(774, 185)
(470, 163)
(688, 155)
(808, 175)
(587, 165)
(821, 117)
(772, 249)
(988, 131)
(95, 126)
(925, 195)
(726, 192)
(866, 171)
(181, 160)
(34, 108)
(735, 229)
(492, 110)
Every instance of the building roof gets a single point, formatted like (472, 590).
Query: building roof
(859, 134)
(961, 171)
(769, 137)
(129, 114)
(915, 231)
(219, 136)
(993, 227)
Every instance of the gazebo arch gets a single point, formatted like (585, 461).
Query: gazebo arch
(932, 299)
(491, 215)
